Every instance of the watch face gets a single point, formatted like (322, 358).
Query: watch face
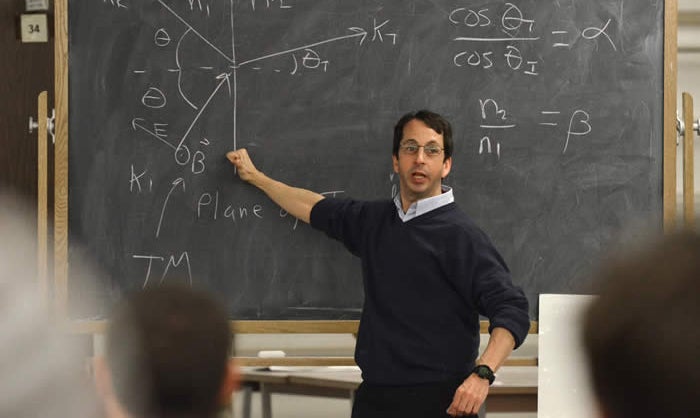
(484, 372)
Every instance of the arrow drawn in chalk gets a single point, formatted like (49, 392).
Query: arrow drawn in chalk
(176, 183)
(224, 77)
(135, 123)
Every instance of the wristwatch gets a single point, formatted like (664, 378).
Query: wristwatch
(484, 372)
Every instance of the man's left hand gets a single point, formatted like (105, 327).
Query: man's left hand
(469, 396)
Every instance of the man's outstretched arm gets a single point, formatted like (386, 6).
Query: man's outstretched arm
(298, 202)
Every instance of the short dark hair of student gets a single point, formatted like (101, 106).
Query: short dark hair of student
(433, 120)
(167, 349)
(642, 334)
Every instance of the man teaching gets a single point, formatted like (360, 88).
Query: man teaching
(428, 273)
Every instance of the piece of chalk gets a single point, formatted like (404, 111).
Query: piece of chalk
(271, 353)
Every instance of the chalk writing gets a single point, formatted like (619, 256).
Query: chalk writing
(494, 117)
(171, 263)
(510, 20)
(161, 37)
(310, 60)
(579, 125)
(122, 4)
(593, 33)
(554, 107)
(198, 5)
(209, 206)
(154, 98)
(136, 179)
(282, 4)
(158, 131)
(512, 23)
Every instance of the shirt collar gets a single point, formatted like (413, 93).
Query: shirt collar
(423, 206)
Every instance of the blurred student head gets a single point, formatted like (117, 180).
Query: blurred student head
(168, 354)
(642, 334)
(42, 373)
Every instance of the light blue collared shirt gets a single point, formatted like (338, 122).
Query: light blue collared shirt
(424, 206)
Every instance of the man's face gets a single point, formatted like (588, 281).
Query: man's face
(420, 174)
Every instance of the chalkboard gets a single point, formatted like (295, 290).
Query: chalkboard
(557, 108)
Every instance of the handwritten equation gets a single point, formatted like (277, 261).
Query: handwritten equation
(495, 119)
(514, 29)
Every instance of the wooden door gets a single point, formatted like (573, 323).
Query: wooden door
(26, 69)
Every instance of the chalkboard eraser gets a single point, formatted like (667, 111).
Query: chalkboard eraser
(271, 353)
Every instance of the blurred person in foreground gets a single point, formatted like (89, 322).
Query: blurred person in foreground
(41, 372)
(168, 354)
(642, 334)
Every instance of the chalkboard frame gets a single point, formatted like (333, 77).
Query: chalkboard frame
(61, 154)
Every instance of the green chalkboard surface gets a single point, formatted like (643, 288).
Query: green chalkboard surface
(556, 106)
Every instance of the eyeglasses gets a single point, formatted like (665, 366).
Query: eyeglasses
(431, 150)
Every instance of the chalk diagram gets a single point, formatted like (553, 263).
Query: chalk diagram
(476, 53)
(227, 81)
(190, 151)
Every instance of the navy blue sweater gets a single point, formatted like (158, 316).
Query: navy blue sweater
(425, 281)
